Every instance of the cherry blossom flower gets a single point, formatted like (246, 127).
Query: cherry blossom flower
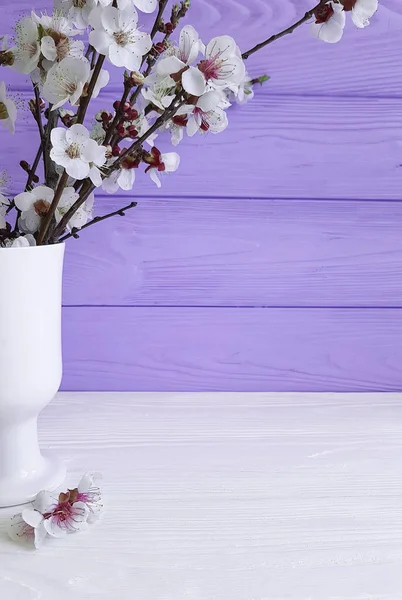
(122, 178)
(90, 495)
(56, 43)
(28, 47)
(74, 150)
(115, 35)
(180, 61)
(35, 204)
(29, 526)
(361, 11)
(3, 211)
(161, 163)
(77, 11)
(159, 90)
(208, 114)
(67, 516)
(243, 92)
(66, 80)
(222, 64)
(8, 110)
(329, 23)
(81, 216)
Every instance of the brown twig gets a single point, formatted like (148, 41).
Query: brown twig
(85, 100)
(286, 31)
(161, 10)
(120, 212)
(47, 220)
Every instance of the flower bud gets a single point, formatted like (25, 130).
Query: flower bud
(24, 165)
(115, 150)
(116, 105)
(136, 78)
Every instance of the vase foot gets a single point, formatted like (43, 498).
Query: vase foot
(23, 486)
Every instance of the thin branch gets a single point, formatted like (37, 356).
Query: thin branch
(119, 113)
(32, 171)
(85, 100)
(47, 220)
(164, 117)
(286, 31)
(120, 212)
(155, 28)
(90, 187)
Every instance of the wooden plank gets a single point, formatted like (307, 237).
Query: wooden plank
(239, 253)
(275, 147)
(204, 349)
(215, 496)
(364, 63)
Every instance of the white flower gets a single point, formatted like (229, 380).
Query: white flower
(56, 43)
(29, 526)
(77, 11)
(66, 518)
(8, 110)
(159, 90)
(243, 92)
(329, 23)
(115, 35)
(74, 150)
(161, 163)
(222, 65)
(362, 11)
(81, 216)
(35, 204)
(181, 59)
(28, 48)
(66, 80)
(208, 114)
(90, 495)
(123, 178)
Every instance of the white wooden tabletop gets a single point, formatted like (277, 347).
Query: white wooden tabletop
(224, 497)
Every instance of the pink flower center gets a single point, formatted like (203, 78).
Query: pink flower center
(204, 126)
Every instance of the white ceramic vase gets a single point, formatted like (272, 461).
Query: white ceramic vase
(30, 367)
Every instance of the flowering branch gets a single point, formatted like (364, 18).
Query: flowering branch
(309, 14)
(182, 92)
(121, 212)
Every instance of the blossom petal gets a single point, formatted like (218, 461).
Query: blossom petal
(193, 81)
(100, 40)
(42, 192)
(40, 535)
(77, 168)
(58, 137)
(223, 46)
(32, 517)
(192, 126)
(119, 56)
(209, 101)
(169, 65)
(146, 6)
(44, 500)
(48, 48)
(153, 173)
(77, 134)
(126, 179)
(95, 176)
(24, 201)
(53, 529)
(19, 530)
(171, 161)
(188, 44)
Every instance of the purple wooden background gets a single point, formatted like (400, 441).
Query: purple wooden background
(273, 259)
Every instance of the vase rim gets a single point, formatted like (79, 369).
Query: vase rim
(41, 248)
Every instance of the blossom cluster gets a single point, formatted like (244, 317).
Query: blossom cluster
(50, 516)
(170, 90)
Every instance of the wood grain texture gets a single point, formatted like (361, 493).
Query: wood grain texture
(365, 63)
(238, 349)
(275, 147)
(203, 252)
(215, 496)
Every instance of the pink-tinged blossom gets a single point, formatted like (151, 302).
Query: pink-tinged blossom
(161, 163)
(67, 516)
(90, 494)
(361, 11)
(329, 23)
